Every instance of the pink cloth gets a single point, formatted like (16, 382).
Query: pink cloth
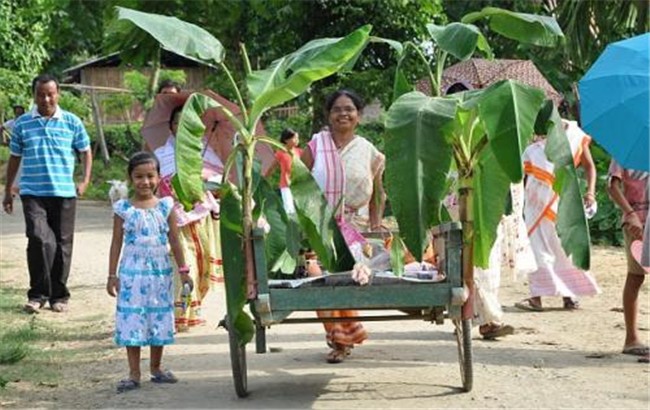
(635, 187)
(328, 169)
(329, 173)
(199, 211)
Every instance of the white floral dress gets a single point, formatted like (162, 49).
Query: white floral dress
(145, 310)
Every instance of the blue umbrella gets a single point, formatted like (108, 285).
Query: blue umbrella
(615, 101)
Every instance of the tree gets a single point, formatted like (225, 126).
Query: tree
(23, 38)
(589, 25)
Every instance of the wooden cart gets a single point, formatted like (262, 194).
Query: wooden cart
(424, 300)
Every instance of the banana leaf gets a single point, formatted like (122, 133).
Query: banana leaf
(571, 222)
(459, 39)
(292, 75)
(417, 151)
(508, 109)
(189, 148)
(233, 263)
(178, 36)
(524, 28)
(283, 237)
(316, 219)
(491, 186)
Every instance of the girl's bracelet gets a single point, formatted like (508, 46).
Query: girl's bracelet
(112, 276)
(183, 270)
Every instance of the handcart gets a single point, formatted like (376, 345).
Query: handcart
(424, 300)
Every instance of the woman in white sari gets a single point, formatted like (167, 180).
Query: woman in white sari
(556, 275)
(348, 169)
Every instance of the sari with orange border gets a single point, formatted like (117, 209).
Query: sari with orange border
(556, 275)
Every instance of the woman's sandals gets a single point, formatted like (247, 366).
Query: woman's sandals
(338, 354)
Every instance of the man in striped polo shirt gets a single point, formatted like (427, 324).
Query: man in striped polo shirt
(45, 140)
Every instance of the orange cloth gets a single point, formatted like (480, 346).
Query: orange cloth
(285, 159)
(342, 333)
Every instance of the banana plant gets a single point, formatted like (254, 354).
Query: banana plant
(481, 135)
(285, 79)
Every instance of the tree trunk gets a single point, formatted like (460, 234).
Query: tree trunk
(466, 213)
(98, 125)
(247, 216)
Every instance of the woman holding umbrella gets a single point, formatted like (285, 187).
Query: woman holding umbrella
(199, 231)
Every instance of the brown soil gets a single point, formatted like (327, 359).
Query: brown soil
(556, 358)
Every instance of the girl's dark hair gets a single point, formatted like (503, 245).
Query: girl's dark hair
(287, 134)
(175, 112)
(356, 100)
(140, 158)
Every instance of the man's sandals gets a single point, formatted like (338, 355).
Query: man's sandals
(339, 353)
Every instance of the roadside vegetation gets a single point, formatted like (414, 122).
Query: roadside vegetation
(35, 350)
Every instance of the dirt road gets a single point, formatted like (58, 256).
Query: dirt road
(555, 359)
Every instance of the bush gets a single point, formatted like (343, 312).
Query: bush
(604, 227)
(121, 139)
(373, 132)
(300, 123)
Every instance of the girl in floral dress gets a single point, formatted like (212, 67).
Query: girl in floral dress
(144, 227)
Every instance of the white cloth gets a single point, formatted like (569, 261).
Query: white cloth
(166, 155)
(556, 275)
(511, 253)
(287, 200)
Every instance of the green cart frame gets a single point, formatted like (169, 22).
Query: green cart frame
(432, 301)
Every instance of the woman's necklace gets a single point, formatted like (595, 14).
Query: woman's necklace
(341, 144)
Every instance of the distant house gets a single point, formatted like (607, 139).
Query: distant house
(104, 73)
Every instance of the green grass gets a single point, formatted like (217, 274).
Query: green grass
(4, 154)
(35, 350)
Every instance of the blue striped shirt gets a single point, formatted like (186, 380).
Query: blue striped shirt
(47, 146)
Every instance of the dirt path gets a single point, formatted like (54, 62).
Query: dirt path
(555, 359)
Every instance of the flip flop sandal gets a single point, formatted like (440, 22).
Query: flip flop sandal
(164, 377)
(495, 331)
(644, 359)
(337, 355)
(32, 306)
(571, 304)
(127, 385)
(636, 350)
(529, 305)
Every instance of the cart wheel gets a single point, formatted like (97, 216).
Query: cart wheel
(238, 362)
(463, 332)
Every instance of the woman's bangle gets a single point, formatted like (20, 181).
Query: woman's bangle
(184, 270)
(112, 276)
(590, 194)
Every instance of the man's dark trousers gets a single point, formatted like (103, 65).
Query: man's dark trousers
(49, 225)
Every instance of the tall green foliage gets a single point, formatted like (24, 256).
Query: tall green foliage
(286, 78)
(484, 132)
